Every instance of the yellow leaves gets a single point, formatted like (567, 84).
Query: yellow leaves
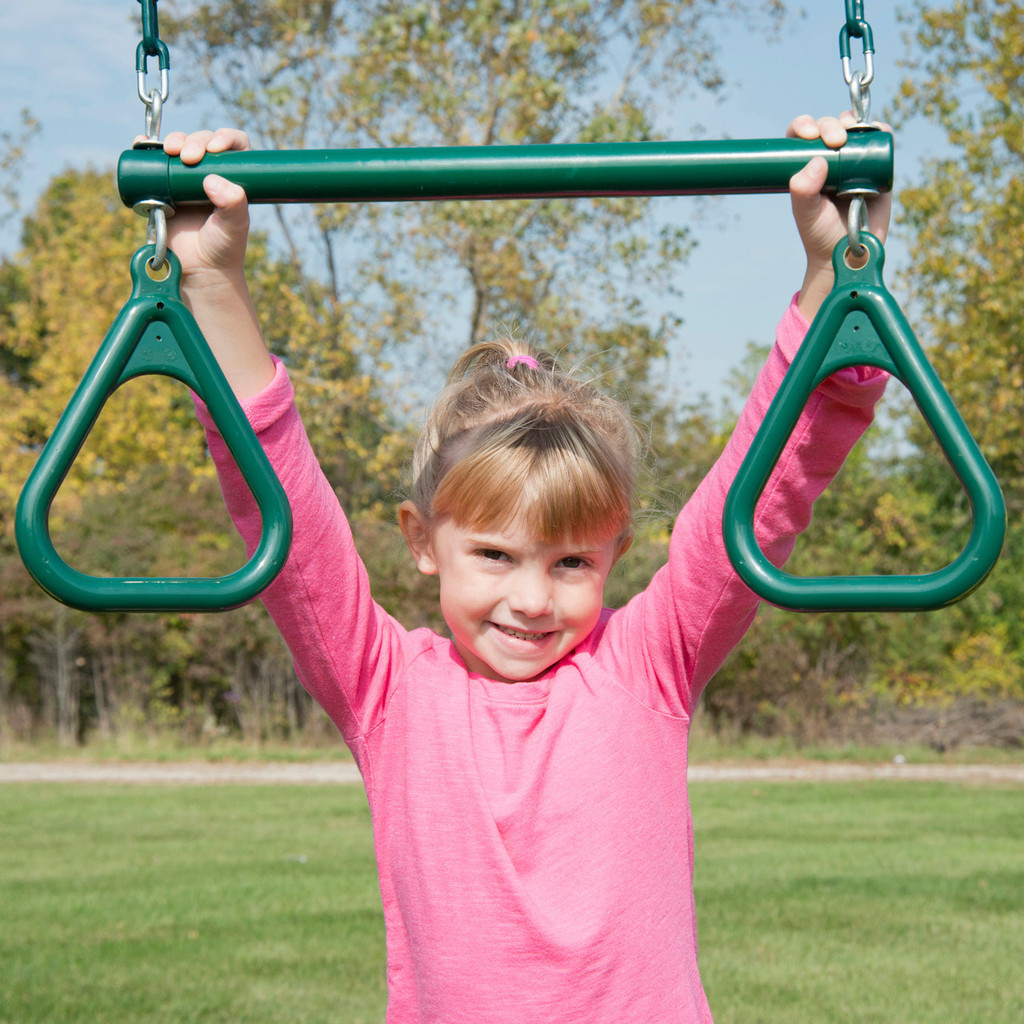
(983, 665)
(912, 688)
(967, 247)
(73, 278)
(891, 522)
(967, 220)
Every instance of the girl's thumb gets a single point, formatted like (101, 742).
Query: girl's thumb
(228, 197)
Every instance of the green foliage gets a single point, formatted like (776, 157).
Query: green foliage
(966, 217)
(141, 498)
(12, 152)
(965, 221)
(588, 276)
(366, 303)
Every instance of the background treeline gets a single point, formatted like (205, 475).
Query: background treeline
(358, 300)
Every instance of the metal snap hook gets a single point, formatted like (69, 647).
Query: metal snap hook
(857, 221)
(156, 230)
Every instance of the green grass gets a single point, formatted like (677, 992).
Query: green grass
(170, 748)
(895, 902)
(167, 904)
(707, 745)
(861, 903)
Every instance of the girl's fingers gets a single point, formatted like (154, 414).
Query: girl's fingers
(831, 130)
(195, 147)
(802, 127)
(808, 182)
(191, 148)
(225, 139)
(173, 143)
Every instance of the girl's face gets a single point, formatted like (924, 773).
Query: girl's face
(515, 604)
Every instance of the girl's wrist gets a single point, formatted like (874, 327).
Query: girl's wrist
(213, 278)
(203, 288)
(817, 284)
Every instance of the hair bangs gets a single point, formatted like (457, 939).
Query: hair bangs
(561, 480)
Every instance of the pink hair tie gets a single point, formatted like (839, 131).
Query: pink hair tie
(525, 360)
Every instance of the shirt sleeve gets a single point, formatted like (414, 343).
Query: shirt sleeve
(669, 641)
(344, 645)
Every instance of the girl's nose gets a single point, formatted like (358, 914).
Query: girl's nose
(530, 594)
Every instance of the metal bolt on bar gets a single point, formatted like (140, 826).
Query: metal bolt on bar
(718, 167)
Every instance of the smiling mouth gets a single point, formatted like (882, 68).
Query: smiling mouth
(520, 634)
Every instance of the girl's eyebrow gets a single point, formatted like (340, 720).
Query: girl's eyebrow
(490, 543)
(485, 537)
(570, 550)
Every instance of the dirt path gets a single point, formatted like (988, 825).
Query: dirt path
(195, 773)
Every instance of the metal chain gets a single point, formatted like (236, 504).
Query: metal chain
(857, 27)
(154, 99)
(859, 81)
(152, 46)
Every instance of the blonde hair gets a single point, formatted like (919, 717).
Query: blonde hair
(514, 436)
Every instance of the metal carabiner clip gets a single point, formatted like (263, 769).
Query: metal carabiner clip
(165, 83)
(858, 81)
(156, 230)
(154, 115)
(861, 30)
(163, 55)
(857, 221)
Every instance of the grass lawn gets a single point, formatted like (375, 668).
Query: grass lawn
(861, 903)
(895, 902)
(179, 904)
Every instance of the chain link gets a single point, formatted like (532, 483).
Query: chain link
(154, 99)
(857, 27)
(859, 81)
(152, 46)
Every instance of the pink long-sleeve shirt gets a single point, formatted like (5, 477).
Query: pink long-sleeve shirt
(534, 841)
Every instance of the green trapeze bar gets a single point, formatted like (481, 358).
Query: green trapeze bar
(860, 324)
(153, 334)
(864, 164)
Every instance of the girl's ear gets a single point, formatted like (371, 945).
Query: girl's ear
(416, 531)
(625, 543)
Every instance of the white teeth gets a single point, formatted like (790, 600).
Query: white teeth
(521, 635)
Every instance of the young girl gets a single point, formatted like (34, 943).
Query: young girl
(526, 774)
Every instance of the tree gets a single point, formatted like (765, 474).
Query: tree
(965, 218)
(141, 498)
(966, 228)
(12, 152)
(583, 274)
(78, 244)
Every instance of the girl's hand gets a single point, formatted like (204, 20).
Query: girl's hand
(210, 245)
(209, 242)
(820, 219)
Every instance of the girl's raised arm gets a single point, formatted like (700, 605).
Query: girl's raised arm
(210, 244)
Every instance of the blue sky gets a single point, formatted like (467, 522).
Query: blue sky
(72, 62)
